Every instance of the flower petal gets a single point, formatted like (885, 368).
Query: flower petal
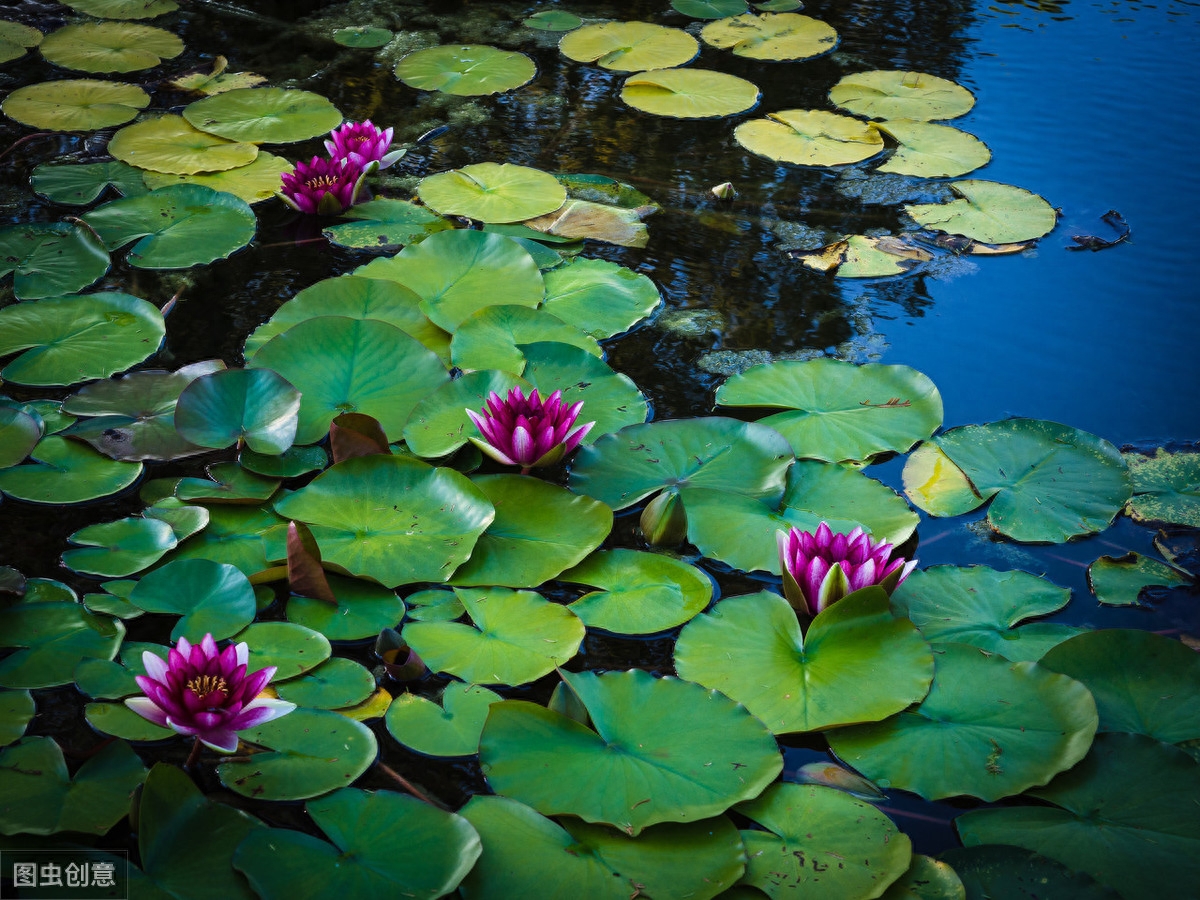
(147, 709)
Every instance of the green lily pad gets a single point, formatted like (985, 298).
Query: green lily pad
(65, 471)
(610, 399)
(16, 39)
(863, 256)
(170, 144)
(710, 9)
(553, 20)
(107, 679)
(392, 519)
(434, 605)
(292, 463)
(989, 728)
(133, 417)
(689, 93)
(810, 137)
(740, 457)
(933, 151)
(292, 649)
(309, 752)
(439, 424)
(926, 879)
(539, 530)
(123, 547)
(1124, 816)
(1166, 488)
(235, 536)
(449, 729)
(109, 47)
(79, 185)
(1010, 873)
(1155, 691)
(599, 297)
(254, 406)
(123, 9)
(264, 115)
(17, 710)
(363, 610)
(334, 683)
(75, 104)
(1119, 580)
(185, 840)
(184, 520)
(527, 855)
(19, 434)
(352, 365)
(630, 46)
(821, 843)
(227, 482)
(175, 227)
(901, 95)
(46, 590)
(49, 259)
(640, 593)
(491, 338)
(40, 796)
(989, 212)
(982, 607)
(641, 765)
(363, 37)
(751, 649)
(838, 411)
(384, 223)
(252, 183)
(209, 597)
(772, 36)
(465, 70)
(492, 192)
(457, 273)
(384, 845)
(1047, 482)
(517, 637)
(740, 530)
(53, 636)
(119, 721)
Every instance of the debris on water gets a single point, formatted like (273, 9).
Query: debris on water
(1093, 242)
(690, 323)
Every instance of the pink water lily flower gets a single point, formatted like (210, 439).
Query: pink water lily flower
(528, 431)
(322, 187)
(206, 692)
(363, 145)
(822, 567)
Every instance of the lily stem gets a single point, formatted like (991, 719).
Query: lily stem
(408, 785)
(194, 755)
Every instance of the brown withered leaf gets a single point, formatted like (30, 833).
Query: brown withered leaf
(356, 434)
(306, 577)
(583, 219)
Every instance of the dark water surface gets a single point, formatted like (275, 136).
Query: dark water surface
(1090, 104)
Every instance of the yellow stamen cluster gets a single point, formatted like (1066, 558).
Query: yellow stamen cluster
(202, 685)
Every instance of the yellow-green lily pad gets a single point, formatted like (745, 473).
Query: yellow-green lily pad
(264, 115)
(75, 104)
(989, 212)
(810, 137)
(933, 151)
(170, 144)
(16, 39)
(253, 183)
(1166, 487)
(776, 36)
(465, 70)
(110, 47)
(492, 192)
(897, 94)
(123, 9)
(689, 93)
(630, 46)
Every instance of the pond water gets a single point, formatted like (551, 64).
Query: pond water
(1089, 104)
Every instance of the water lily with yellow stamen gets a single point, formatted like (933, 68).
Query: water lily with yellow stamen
(323, 187)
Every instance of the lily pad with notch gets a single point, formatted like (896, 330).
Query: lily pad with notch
(363, 609)
(630, 46)
(109, 47)
(254, 182)
(66, 471)
(1166, 487)
(335, 683)
(465, 70)
(810, 137)
(292, 649)
(492, 337)
(257, 407)
(384, 223)
(989, 212)
(264, 115)
(932, 151)
(49, 259)
(16, 39)
(209, 597)
(1119, 580)
(169, 144)
(123, 547)
(689, 93)
(75, 104)
(771, 36)
(450, 728)
(439, 424)
(553, 20)
(227, 482)
(235, 535)
(897, 94)
(51, 638)
(492, 192)
(610, 398)
(600, 297)
(80, 184)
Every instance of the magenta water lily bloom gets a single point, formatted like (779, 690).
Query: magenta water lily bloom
(322, 187)
(822, 567)
(206, 692)
(528, 431)
(363, 145)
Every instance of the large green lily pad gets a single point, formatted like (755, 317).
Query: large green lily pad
(857, 663)
(120, 548)
(988, 212)
(1166, 487)
(1143, 683)
(492, 192)
(235, 535)
(66, 471)
(52, 637)
(363, 610)
(982, 607)
(1119, 580)
(466, 70)
(517, 637)
(344, 365)
(384, 223)
(40, 796)
(932, 151)
(989, 728)
(109, 47)
(449, 729)
(459, 272)
(821, 843)
(170, 144)
(610, 399)
(1046, 482)
(175, 227)
(528, 855)
(838, 411)
(774, 36)
(1010, 873)
(392, 519)
(540, 529)
(384, 845)
(264, 115)
(75, 104)
(49, 259)
(642, 764)
(1125, 816)
(599, 297)
(253, 183)
(689, 93)
(79, 185)
(252, 406)
(292, 649)
(894, 94)
(439, 424)
(810, 137)
(640, 593)
(208, 597)
(630, 46)
(491, 338)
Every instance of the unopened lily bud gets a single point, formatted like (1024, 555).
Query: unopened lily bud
(664, 520)
(725, 191)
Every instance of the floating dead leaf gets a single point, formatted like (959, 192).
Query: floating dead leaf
(956, 243)
(860, 256)
(216, 81)
(834, 776)
(356, 434)
(1092, 242)
(306, 577)
(583, 219)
